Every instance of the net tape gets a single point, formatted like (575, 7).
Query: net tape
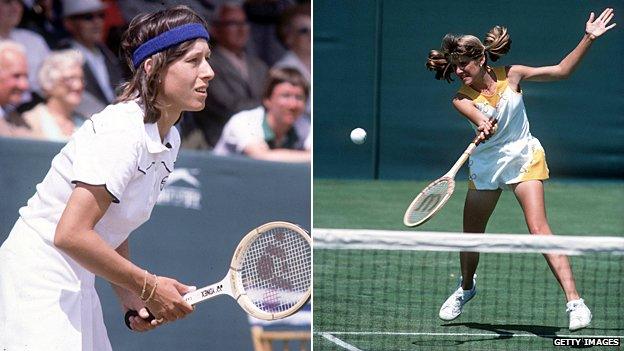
(444, 241)
(382, 289)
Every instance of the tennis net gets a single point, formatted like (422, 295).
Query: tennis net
(382, 290)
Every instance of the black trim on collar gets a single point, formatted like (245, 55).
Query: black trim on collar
(150, 166)
(92, 125)
(167, 168)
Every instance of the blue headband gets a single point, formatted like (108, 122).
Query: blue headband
(168, 39)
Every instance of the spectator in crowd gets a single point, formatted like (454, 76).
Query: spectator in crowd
(84, 20)
(61, 78)
(13, 85)
(43, 18)
(263, 16)
(132, 8)
(273, 131)
(115, 24)
(239, 77)
(11, 12)
(294, 31)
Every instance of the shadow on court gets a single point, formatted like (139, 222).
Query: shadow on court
(505, 331)
(500, 332)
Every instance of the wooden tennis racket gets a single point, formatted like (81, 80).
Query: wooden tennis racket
(270, 273)
(429, 201)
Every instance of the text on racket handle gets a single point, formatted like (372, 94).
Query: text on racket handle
(208, 292)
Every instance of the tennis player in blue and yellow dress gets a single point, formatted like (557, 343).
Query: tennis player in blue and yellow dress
(491, 99)
(101, 186)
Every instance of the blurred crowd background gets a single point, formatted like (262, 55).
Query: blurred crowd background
(60, 64)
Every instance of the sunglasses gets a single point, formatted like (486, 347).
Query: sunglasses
(89, 16)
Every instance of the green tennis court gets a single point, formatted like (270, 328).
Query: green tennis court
(389, 300)
(573, 207)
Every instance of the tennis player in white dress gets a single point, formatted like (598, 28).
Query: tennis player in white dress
(101, 186)
(512, 158)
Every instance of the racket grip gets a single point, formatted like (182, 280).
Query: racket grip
(134, 313)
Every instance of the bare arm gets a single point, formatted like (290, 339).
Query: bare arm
(262, 151)
(129, 300)
(593, 29)
(75, 235)
(465, 106)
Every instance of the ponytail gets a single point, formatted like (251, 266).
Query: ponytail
(440, 61)
(497, 44)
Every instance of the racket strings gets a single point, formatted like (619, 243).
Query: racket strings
(276, 270)
(429, 200)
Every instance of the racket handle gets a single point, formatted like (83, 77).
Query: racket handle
(134, 313)
(477, 140)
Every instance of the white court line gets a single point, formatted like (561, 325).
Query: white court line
(339, 342)
(331, 333)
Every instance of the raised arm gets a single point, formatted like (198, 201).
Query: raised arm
(594, 28)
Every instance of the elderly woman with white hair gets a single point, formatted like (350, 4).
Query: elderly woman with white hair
(61, 79)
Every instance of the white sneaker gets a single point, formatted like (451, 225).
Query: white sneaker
(580, 315)
(454, 305)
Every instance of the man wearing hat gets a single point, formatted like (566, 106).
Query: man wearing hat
(84, 21)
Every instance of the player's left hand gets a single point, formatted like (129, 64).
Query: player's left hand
(597, 27)
(143, 322)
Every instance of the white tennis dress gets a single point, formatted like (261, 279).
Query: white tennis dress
(512, 155)
(47, 300)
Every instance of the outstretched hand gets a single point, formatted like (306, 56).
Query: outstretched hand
(597, 27)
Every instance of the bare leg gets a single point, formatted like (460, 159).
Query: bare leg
(478, 208)
(530, 195)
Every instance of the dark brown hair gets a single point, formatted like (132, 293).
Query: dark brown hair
(496, 44)
(142, 85)
(284, 75)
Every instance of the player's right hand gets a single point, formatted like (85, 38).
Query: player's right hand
(487, 128)
(167, 304)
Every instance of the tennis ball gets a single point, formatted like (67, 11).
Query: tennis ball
(358, 136)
